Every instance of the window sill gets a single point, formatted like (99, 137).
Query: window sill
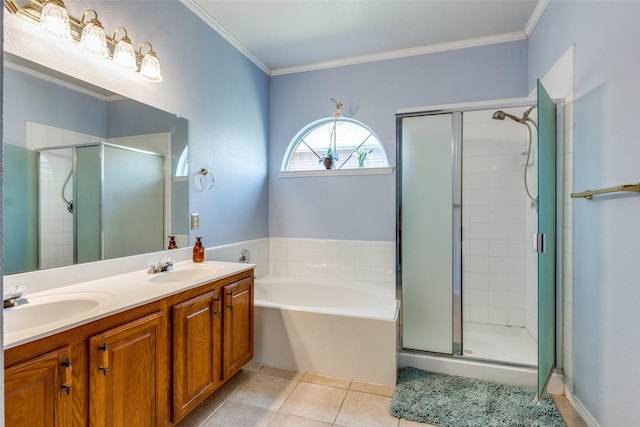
(337, 172)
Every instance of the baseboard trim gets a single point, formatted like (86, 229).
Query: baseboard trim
(580, 409)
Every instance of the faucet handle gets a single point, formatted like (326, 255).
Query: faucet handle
(15, 296)
(166, 264)
(154, 267)
(17, 291)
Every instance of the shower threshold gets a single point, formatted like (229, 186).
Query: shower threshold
(500, 372)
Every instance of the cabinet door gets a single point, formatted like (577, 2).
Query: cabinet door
(127, 374)
(238, 326)
(197, 351)
(38, 392)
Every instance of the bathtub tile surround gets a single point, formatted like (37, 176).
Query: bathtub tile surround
(334, 259)
(258, 249)
(42, 280)
(370, 261)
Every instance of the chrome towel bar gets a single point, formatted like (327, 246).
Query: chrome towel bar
(635, 188)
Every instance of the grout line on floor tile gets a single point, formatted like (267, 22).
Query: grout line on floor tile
(297, 382)
(333, 423)
(227, 399)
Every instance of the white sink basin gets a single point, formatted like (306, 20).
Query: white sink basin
(47, 309)
(183, 275)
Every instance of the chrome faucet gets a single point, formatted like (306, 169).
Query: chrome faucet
(165, 265)
(245, 256)
(15, 296)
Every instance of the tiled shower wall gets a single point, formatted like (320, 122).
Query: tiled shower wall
(56, 223)
(494, 212)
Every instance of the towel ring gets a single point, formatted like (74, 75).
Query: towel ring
(206, 183)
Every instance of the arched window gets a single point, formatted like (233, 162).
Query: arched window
(334, 143)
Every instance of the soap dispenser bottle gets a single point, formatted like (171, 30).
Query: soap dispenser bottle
(198, 251)
(172, 243)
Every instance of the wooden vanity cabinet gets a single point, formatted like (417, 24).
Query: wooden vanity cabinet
(238, 326)
(127, 374)
(138, 367)
(137, 373)
(38, 391)
(212, 339)
(197, 351)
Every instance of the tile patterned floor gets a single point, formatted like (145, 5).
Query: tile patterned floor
(265, 396)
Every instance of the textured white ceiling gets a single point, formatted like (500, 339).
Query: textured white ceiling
(292, 35)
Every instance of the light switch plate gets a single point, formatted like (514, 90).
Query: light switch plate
(195, 221)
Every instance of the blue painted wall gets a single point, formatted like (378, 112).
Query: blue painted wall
(47, 103)
(224, 96)
(232, 117)
(363, 207)
(607, 230)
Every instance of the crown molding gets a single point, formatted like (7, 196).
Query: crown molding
(535, 17)
(402, 53)
(209, 20)
(394, 54)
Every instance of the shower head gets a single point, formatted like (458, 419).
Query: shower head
(501, 115)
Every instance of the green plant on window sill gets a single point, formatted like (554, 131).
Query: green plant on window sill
(362, 156)
(329, 160)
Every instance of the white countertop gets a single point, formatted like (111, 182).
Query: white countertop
(107, 296)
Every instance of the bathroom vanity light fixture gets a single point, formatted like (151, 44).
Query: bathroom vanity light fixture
(124, 54)
(150, 66)
(93, 39)
(89, 34)
(54, 18)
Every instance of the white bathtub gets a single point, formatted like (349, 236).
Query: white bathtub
(336, 328)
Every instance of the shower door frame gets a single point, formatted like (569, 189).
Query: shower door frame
(457, 135)
(101, 145)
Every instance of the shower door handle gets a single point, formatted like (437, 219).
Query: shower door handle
(538, 242)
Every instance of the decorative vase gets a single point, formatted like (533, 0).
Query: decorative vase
(328, 162)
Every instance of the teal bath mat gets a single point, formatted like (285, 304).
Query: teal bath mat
(450, 401)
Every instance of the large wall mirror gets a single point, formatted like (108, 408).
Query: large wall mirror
(88, 175)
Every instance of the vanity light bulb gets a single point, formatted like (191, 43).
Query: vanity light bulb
(55, 20)
(150, 68)
(93, 40)
(125, 55)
